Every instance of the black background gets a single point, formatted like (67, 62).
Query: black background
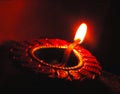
(23, 20)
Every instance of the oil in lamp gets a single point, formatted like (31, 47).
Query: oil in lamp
(57, 58)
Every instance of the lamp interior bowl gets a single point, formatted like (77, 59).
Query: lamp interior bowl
(55, 55)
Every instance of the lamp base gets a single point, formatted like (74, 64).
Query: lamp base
(43, 56)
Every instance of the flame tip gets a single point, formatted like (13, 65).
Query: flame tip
(80, 34)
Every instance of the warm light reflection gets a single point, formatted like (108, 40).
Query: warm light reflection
(81, 32)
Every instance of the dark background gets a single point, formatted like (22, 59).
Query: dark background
(31, 19)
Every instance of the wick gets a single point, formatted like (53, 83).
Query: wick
(68, 51)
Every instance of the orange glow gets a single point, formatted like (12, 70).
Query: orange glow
(81, 32)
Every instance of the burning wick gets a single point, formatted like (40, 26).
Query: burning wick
(80, 34)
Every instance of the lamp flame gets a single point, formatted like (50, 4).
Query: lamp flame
(81, 32)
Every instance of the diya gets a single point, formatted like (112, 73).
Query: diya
(56, 58)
